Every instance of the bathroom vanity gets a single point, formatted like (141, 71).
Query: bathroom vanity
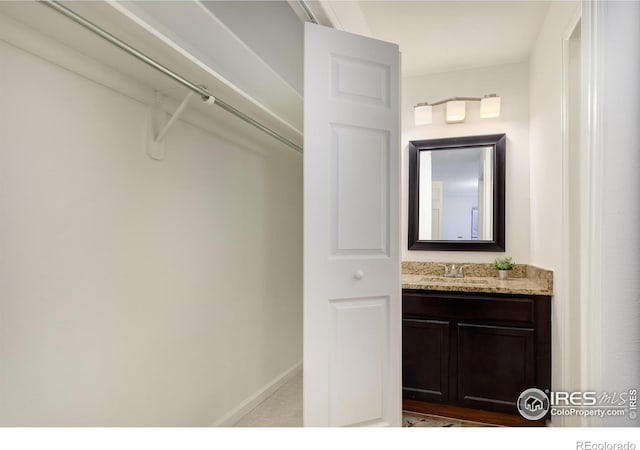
(475, 342)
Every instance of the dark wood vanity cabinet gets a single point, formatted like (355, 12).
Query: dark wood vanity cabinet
(474, 350)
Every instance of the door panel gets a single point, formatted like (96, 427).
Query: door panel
(352, 322)
(425, 360)
(495, 364)
(359, 228)
(358, 327)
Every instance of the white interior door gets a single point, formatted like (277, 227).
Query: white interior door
(352, 290)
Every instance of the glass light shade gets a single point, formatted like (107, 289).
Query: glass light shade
(490, 107)
(423, 115)
(456, 111)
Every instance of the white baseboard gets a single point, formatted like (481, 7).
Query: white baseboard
(230, 418)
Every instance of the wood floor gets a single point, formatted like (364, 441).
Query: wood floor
(468, 414)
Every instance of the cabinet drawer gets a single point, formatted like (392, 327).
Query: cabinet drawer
(459, 307)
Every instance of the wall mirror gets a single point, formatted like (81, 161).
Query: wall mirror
(457, 193)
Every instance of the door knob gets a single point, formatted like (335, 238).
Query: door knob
(358, 275)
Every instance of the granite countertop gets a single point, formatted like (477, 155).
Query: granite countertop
(524, 279)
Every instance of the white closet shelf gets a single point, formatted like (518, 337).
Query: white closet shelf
(273, 103)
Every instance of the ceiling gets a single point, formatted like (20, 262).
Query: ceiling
(443, 36)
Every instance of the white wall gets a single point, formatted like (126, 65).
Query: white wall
(136, 292)
(546, 136)
(456, 216)
(511, 82)
(546, 176)
(620, 307)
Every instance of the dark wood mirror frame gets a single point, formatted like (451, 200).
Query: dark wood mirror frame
(499, 143)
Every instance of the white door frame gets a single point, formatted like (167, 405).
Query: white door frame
(586, 315)
(569, 312)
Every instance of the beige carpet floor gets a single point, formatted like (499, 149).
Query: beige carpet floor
(282, 409)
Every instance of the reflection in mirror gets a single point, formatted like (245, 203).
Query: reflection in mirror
(456, 193)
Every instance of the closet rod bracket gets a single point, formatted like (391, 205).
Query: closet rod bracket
(155, 147)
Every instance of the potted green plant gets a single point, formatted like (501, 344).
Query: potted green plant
(503, 265)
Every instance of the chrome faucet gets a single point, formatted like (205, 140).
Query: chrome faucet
(453, 271)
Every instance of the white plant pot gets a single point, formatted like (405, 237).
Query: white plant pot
(503, 274)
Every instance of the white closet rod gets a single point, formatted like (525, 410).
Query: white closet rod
(202, 91)
(307, 11)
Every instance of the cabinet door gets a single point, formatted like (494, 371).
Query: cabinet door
(495, 364)
(425, 360)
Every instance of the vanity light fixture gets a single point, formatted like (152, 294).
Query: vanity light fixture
(490, 106)
(423, 114)
(456, 109)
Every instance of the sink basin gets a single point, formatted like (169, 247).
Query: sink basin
(432, 279)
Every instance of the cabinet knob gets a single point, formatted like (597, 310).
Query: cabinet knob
(358, 275)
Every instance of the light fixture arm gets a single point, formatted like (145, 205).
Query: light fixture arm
(453, 99)
(489, 109)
